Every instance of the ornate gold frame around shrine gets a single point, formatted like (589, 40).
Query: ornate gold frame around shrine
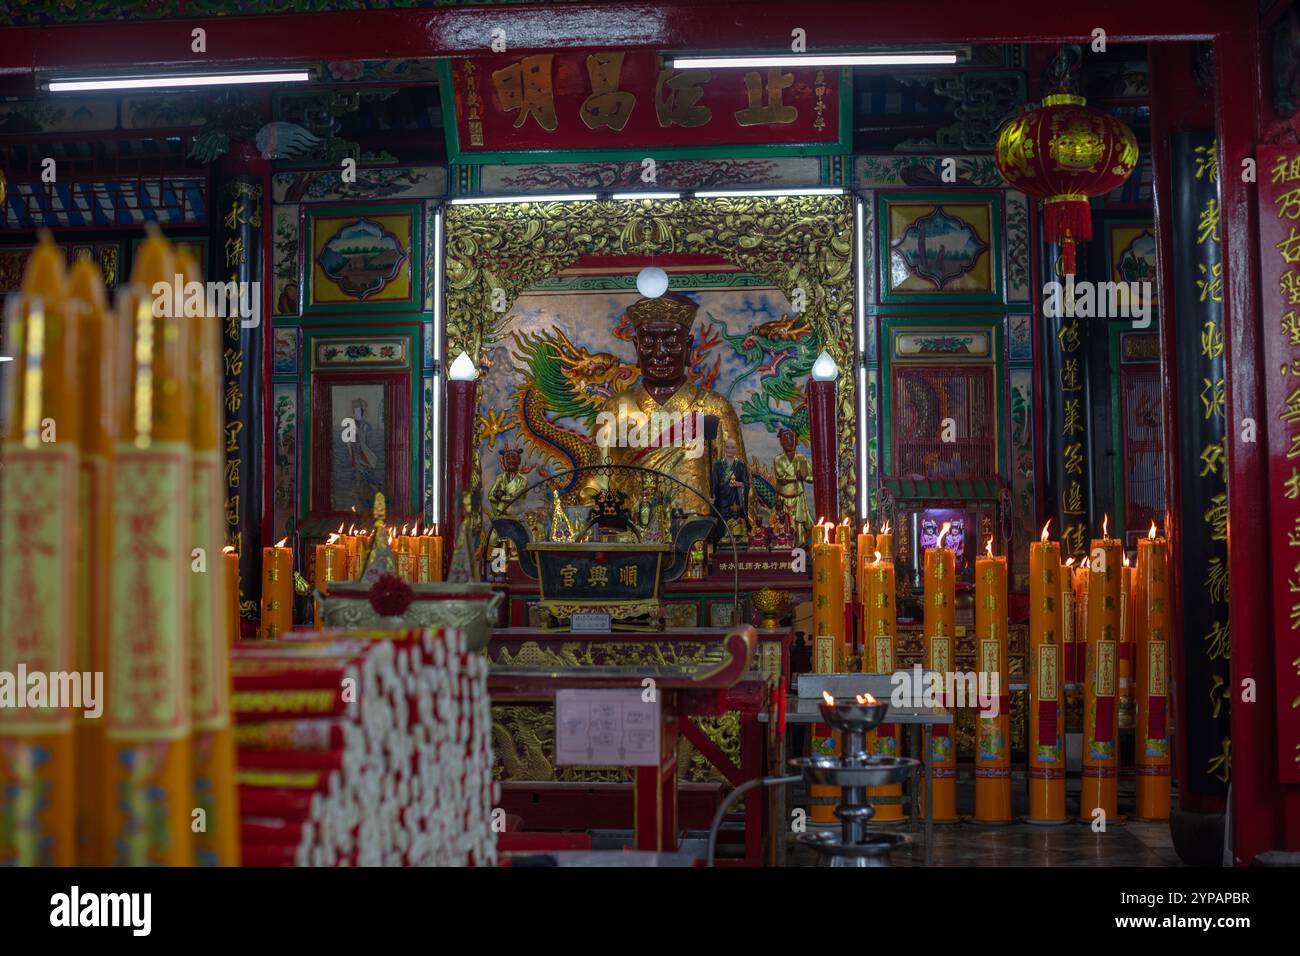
(803, 242)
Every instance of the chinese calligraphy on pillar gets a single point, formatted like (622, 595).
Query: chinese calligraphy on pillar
(634, 100)
(1065, 370)
(1279, 252)
(238, 258)
(1201, 528)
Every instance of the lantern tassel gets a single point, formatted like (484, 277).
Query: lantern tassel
(1067, 219)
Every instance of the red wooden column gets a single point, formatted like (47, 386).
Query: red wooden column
(1261, 808)
(655, 789)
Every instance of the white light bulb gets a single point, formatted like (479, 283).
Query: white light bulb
(462, 369)
(652, 282)
(825, 369)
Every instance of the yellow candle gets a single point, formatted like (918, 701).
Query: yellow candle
(435, 561)
(231, 557)
(277, 590)
(1151, 724)
(992, 753)
(866, 545)
(331, 559)
(1101, 680)
(828, 599)
(96, 343)
(940, 627)
(150, 696)
(213, 743)
(1048, 591)
(878, 658)
(39, 490)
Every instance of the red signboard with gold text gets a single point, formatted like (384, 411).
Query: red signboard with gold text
(1279, 246)
(632, 104)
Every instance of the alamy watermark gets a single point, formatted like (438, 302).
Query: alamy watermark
(220, 299)
(920, 688)
(658, 429)
(1098, 300)
(62, 690)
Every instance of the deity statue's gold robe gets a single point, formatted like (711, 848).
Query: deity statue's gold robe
(502, 497)
(679, 451)
(791, 473)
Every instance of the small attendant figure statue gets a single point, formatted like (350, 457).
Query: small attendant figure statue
(502, 498)
(730, 488)
(792, 472)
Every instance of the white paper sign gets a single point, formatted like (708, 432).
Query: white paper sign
(606, 727)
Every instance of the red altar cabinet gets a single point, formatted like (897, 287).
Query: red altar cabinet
(706, 692)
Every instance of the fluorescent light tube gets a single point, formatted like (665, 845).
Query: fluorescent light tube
(173, 80)
(719, 62)
(810, 191)
(646, 195)
(482, 200)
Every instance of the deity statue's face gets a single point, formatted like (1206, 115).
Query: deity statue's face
(787, 440)
(661, 352)
(510, 462)
(730, 448)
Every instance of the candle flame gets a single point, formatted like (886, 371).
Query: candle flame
(877, 557)
(1105, 524)
(866, 527)
(1126, 559)
(1151, 534)
(988, 546)
(1070, 563)
(415, 532)
(340, 531)
(865, 698)
(943, 533)
(403, 529)
(228, 549)
(281, 542)
(1043, 536)
(828, 698)
(885, 528)
(332, 538)
(352, 528)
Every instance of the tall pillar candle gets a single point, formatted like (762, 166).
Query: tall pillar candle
(330, 560)
(940, 630)
(39, 534)
(212, 750)
(993, 725)
(844, 538)
(277, 591)
(1047, 597)
(1100, 784)
(1151, 723)
(149, 700)
(825, 448)
(461, 401)
(95, 346)
(863, 555)
(1127, 613)
(828, 640)
(880, 635)
(231, 557)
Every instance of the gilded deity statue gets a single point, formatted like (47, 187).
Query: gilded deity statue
(660, 422)
(792, 472)
(504, 496)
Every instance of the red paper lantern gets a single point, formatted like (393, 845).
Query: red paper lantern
(1064, 153)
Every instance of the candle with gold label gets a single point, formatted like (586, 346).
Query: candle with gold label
(231, 557)
(149, 700)
(885, 542)
(1048, 590)
(1081, 576)
(39, 533)
(939, 636)
(865, 555)
(828, 640)
(95, 345)
(212, 749)
(993, 722)
(1151, 723)
(844, 538)
(277, 591)
(1101, 680)
(1126, 625)
(878, 658)
(432, 544)
(330, 560)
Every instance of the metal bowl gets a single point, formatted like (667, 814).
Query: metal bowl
(876, 771)
(847, 714)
